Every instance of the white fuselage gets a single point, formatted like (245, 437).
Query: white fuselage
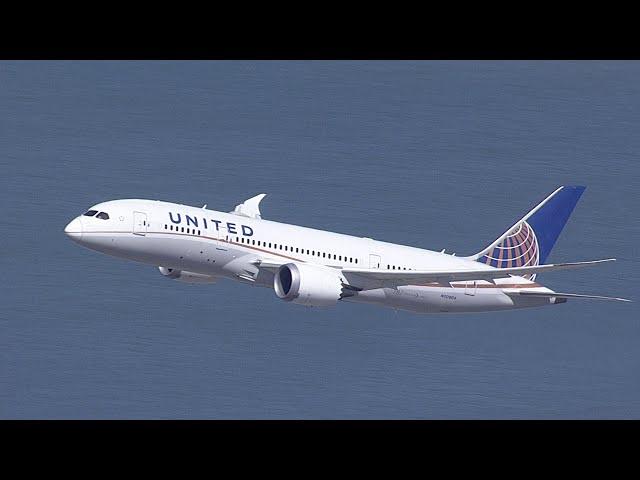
(217, 244)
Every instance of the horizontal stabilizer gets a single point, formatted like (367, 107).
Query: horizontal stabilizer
(529, 293)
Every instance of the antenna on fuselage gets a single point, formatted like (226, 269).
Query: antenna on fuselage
(204, 206)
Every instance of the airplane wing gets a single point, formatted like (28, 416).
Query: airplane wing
(250, 208)
(416, 277)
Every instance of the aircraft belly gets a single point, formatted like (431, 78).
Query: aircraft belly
(473, 300)
(202, 256)
(441, 299)
(411, 298)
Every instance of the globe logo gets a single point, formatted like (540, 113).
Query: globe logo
(518, 249)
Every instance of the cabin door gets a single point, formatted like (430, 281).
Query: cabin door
(223, 237)
(374, 261)
(140, 223)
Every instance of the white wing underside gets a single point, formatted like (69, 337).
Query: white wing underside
(390, 278)
(374, 278)
(412, 277)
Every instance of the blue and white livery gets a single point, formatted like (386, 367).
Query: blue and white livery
(319, 268)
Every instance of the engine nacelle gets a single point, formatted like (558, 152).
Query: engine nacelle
(186, 277)
(306, 284)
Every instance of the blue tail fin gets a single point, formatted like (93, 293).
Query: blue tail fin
(531, 239)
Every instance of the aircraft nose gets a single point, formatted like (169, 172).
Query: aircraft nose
(74, 229)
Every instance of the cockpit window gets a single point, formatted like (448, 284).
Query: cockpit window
(103, 216)
(90, 213)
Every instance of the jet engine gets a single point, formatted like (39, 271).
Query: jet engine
(186, 277)
(306, 284)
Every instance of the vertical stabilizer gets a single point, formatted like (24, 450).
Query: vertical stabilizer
(530, 240)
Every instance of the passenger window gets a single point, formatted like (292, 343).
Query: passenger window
(182, 229)
(103, 216)
(165, 226)
(90, 213)
(198, 232)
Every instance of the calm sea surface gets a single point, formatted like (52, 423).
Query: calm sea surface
(431, 154)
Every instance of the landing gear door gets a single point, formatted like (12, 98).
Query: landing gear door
(140, 223)
(374, 261)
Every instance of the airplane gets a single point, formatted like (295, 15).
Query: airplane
(319, 268)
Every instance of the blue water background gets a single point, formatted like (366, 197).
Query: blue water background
(431, 154)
